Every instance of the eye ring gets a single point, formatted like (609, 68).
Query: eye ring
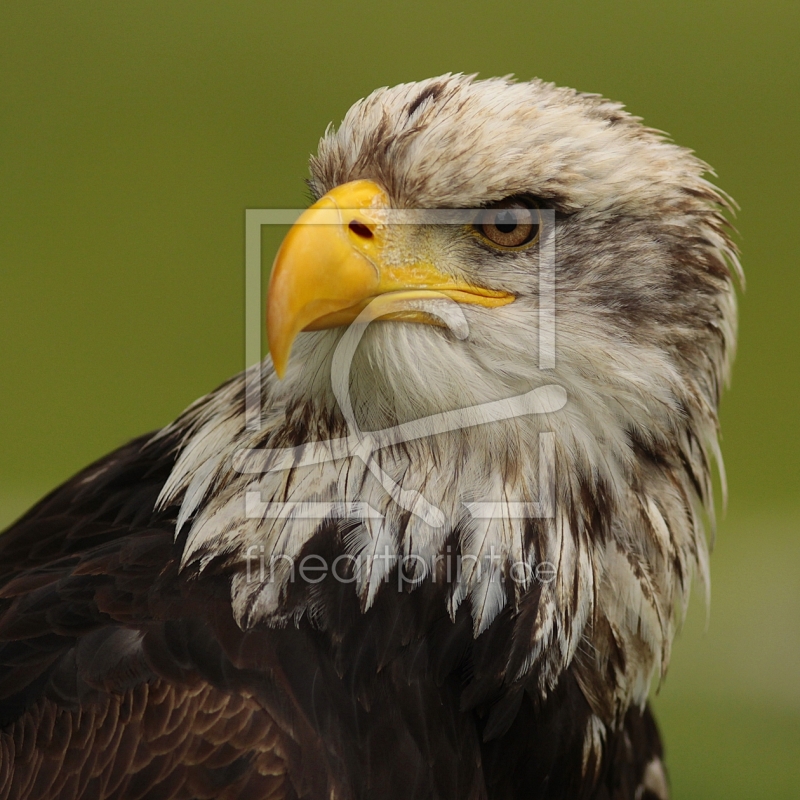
(510, 224)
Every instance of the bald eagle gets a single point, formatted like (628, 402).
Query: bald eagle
(442, 563)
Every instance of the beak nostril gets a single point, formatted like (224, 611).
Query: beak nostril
(360, 229)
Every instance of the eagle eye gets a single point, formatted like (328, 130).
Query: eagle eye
(510, 224)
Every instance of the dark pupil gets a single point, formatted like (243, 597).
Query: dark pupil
(505, 221)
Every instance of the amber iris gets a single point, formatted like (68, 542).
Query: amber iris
(510, 224)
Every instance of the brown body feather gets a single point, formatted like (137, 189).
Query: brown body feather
(122, 678)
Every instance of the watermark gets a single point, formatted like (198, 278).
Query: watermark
(363, 445)
(409, 570)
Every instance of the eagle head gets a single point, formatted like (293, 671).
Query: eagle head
(502, 290)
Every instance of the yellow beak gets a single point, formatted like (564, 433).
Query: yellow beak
(332, 264)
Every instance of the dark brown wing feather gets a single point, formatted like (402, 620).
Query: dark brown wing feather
(122, 677)
(92, 701)
(155, 740)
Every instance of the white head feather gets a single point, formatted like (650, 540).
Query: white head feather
(645, 330)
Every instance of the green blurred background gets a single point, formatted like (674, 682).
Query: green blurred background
(134, 135)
